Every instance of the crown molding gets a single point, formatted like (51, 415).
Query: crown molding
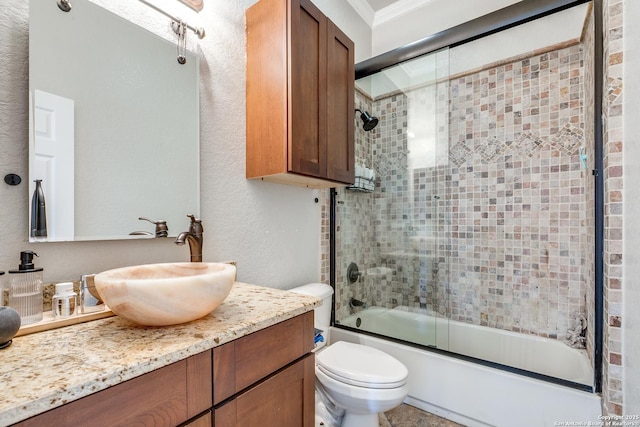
(397, 9)
(365, 10)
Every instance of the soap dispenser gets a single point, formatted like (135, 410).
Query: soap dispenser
(25, 289)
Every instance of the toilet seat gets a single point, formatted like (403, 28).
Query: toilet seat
(361, 366)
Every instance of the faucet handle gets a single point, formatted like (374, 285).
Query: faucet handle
(162, 230)
(193, 218)
(196, 224)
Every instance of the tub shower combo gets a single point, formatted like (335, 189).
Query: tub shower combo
(470, 258)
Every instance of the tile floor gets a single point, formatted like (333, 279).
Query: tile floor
(408, 416)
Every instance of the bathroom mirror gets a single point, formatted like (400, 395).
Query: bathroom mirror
(114, 124)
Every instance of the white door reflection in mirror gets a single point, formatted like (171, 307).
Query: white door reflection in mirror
(53, 148)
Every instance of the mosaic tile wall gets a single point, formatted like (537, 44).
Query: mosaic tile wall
(517, 195)
(324, 199)
(505, 169)
(613, 369)
(354, 226)
(410, 206)
(347, 246)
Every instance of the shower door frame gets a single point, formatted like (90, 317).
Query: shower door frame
(511, 16)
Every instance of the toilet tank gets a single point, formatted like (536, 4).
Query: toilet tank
(322, 314)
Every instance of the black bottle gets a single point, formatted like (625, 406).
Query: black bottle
(38, 212)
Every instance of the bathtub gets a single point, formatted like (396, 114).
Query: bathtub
(473, 394)
(528, 352)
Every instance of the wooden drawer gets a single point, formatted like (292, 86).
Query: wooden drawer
(241, 363)
(165, 397)
(286, 399)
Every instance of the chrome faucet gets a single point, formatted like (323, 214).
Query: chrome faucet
(194, 237)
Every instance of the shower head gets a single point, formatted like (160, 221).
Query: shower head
(368, 122)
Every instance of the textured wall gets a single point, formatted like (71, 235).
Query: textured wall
(273, 231)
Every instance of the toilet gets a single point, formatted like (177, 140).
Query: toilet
(362, 380)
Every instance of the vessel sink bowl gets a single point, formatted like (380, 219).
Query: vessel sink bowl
(165, 294)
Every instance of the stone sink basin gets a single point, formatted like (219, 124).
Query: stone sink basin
(165, 294)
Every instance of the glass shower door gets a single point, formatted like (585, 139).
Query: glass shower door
(396, 233)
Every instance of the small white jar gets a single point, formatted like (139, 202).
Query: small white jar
(65, 301)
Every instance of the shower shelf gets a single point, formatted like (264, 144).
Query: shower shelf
(402, 254)
(359, 189)
(362, 184)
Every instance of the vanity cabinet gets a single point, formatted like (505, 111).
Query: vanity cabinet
(300, 96)
(265, 379)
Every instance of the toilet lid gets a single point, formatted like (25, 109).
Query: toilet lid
(361, 366)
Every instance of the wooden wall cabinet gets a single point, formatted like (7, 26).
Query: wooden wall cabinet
(300, 96)
(263, 379)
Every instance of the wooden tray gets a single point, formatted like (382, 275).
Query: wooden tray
(48, 322)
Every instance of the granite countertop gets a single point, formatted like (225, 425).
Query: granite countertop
(45, 370)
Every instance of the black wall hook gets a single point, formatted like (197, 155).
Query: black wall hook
(12, 179)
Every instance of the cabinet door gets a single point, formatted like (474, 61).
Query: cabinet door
(284, 400)
(162, 398)
(158, 398)
(341, 106)
(267, 89)
(308, 86)
(247, 360)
